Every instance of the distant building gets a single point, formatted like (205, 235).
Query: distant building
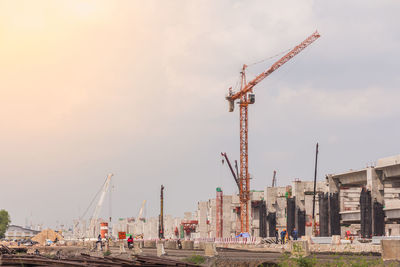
(19, 232)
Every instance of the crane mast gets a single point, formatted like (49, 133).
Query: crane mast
(97, 210)
(246, 97)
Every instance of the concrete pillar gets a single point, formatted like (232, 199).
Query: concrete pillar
(202, 207)
(219, 213)
(122, 247)
(210, 250)
(332, 184)
(298, 193)
(375, 185)
(160, 250)
(270, 195)
(227, 211)
(336, 240)
(137, 248)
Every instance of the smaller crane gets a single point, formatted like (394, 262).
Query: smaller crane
(235, 177)
(93, 220)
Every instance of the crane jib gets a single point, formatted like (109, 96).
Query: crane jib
(275, 66)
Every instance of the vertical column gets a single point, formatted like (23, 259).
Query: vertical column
(219, 213)
(323, 214)
(271, 218)
(161, 217)
(263, 219)
(227, 213)
(202, 207)
(375, 185)
(334, 215)
(291, 210)
(366, 213)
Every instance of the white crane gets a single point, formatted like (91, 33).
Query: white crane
(93, 220)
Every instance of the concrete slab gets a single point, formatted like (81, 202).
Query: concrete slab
(299, 248)
(171, 244)
(390, 249)
(149, 244)
(321, 239)
(376, 240)
(188, 245)
(351, 216)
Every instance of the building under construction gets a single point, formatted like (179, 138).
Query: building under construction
(365, 202)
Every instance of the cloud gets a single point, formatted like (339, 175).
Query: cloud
(337, 105)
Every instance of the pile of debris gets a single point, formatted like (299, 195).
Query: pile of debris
(47, 235)
(85, 260)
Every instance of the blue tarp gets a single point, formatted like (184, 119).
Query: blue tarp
(243, 235)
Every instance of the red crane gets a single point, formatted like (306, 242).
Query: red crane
(246, 97)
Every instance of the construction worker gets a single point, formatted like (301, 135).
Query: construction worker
(295, 234)
(99, 242)
(348, 234)
(283, 236)
(276, 236)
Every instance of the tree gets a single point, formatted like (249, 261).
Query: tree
(4, 222)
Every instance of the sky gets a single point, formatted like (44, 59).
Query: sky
(137, 89)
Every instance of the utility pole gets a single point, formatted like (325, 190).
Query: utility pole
(161, 218)
(274, 180)
(315, 185)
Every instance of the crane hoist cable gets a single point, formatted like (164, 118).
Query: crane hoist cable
(95, 197)
(268, 58)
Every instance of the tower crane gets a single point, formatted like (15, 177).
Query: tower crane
(93, 220)
(246, 97)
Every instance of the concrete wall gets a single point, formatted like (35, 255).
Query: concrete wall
(228, 217)
(303, 191)
(276, 202)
